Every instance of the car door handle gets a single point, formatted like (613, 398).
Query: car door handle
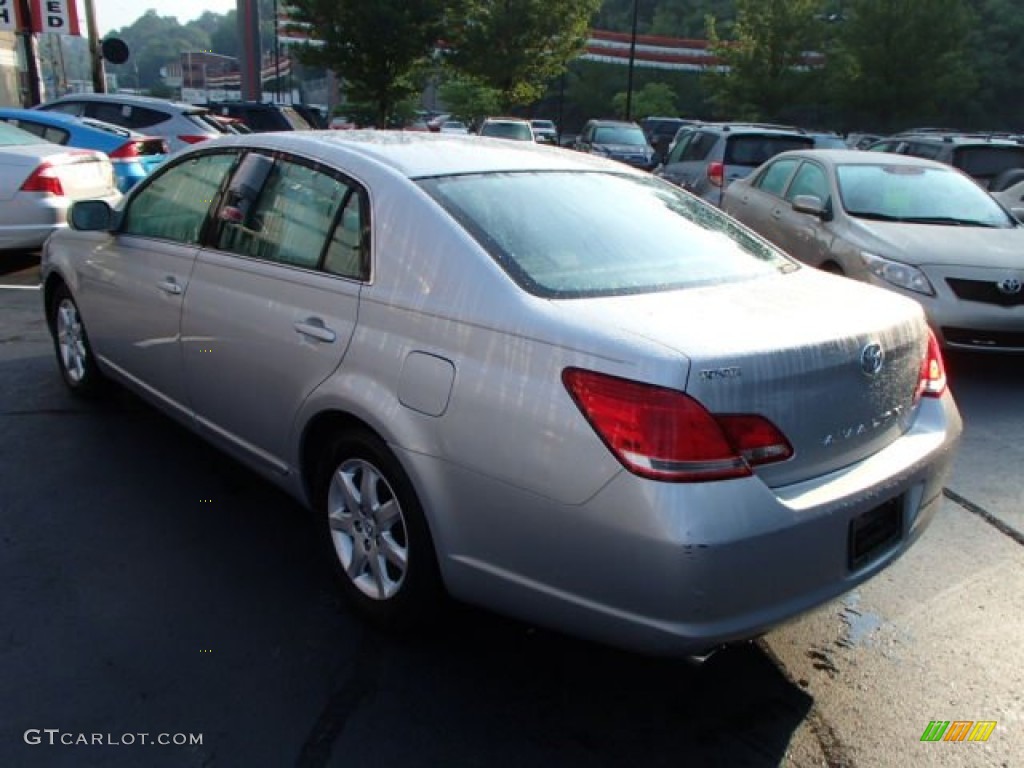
(315, 329)
(169, 285)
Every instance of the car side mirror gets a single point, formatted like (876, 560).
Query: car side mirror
(91, 216)
(809, 204)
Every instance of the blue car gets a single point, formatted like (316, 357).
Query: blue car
(133, 155)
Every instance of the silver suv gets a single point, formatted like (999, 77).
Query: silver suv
(984, 157)
(179, 123)
(705, 159)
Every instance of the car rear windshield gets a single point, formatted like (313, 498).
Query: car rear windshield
(752, 150)
(987, 162)
(617, 135)
(507, 131)
(572, 234)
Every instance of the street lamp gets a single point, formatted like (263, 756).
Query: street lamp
(632, 63)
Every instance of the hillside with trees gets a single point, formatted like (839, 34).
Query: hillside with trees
(876, 64)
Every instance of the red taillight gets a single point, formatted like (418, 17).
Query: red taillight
(127, 151)
(193, 139)
(932, 381)
(44, 179)
(716, 173)
(664, 434)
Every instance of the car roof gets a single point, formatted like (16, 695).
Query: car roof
(607, 123)
(141, 101)
(860, 157)
(937, 137)
(506, 120)
(415, 154)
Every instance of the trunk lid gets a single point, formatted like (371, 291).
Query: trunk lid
(833, 363)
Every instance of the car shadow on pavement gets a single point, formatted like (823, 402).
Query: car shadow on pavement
(154, 585)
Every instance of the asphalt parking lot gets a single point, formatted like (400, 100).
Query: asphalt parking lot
(152, 586)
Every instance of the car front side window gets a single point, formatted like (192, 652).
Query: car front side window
(773, 179)
(175, 204)
(810, 179)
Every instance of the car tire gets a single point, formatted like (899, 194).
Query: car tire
(376, 533)
(75, 357)
(832, 268)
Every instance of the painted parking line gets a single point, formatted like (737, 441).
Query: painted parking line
(20, 287)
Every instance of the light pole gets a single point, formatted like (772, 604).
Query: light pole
(632, 63)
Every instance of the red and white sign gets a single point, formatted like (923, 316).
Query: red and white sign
(9, 18)
(57, 16)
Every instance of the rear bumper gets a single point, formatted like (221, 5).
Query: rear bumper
(676, 568)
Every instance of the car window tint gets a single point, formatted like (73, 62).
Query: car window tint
(564, 235)
(67, 108)
(810, 179)
(289, 220)
(45, 132)
(626, 135)
(348, 250)
(987, 162)
(12, 136)
(699, 147)
(773, 178)
(927, 151)
(175, 204)
(681, 143)
(753, 150)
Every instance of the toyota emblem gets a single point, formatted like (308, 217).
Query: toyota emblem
(871, 359)
(1009, 286)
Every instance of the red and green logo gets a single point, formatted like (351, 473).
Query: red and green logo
(958, 730)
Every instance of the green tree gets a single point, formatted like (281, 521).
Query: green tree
(154, 41)
(469, 100)
(996, 53)
(652, 99)
(517, 46)
(381, 48)
(904, 61)
(688, 18)
(766, 58)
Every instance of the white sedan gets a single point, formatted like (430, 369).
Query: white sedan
(39, 180)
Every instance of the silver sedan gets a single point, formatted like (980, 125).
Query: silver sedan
(536, 380)
(913, 226)
(39, 180)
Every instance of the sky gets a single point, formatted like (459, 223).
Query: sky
(114, 14)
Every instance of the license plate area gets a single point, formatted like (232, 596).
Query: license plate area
(874, 532)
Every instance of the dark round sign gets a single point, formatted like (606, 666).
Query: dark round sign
(114, 50)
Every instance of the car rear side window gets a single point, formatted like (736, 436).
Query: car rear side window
(565, 235)
(699, 147)
(175, 204)
(753, 150)
(288, 219)
(927, 151)
(987, 162)
(127, 115)
(47, 132)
